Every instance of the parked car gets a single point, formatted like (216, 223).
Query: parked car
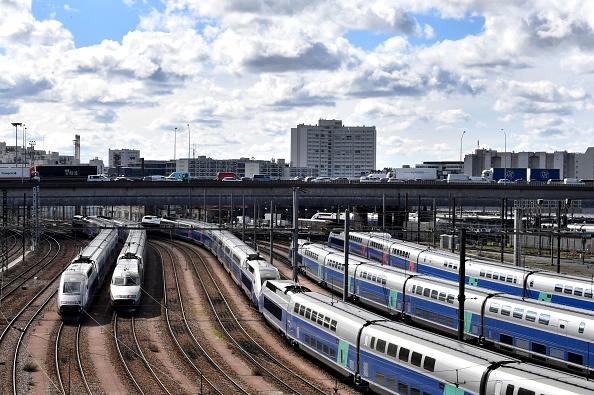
(122, 178)
(341, 180)
(366, 179)
(321, 179)
(98, 177)
(227, 179)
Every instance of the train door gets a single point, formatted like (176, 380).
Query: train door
(497, 389)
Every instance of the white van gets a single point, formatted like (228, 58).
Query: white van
(97, 177)
(154, 178)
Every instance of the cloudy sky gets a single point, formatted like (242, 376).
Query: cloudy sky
(515, 75)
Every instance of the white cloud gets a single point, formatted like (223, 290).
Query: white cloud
(241, 73)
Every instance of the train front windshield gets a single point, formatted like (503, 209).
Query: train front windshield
(125, 281)
(72, 287)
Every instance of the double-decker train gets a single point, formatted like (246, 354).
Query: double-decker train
(390, 358)
(557, 335)
(246, 266)
(127, 279)
(85, 274)
(528, 283)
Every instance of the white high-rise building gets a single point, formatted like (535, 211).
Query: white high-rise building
(335, 150)
(124, 157)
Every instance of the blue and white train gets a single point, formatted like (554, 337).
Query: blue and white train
(127, 279)
(559, 336)
(529, 283)
(246, 266)
(390, 358)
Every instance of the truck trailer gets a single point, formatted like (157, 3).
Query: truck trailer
(511, 173)
(409, 173)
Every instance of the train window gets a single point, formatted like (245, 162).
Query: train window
(494, 308)
(426, 292)
(296, 308)
(372, 343)
(524, 391)
(403, 354)
(418, 311)
(539, 348)
(419, 290)
(578, 291)
(302, 310)
(384, 281)
(380, 345)
(510, 389)
(374, 278)
(379, 378)
(588, 293)
(495, 276)
(307, 339)
(434, 294)
(518, 313)
(531, 316)
(392, 350)
(391, 382)
(319, 346)
(416, 358)
(442, 296)
(415, 391)
(510, 278)
(581, 327)
(449, 265)
(489, 274)
(414, 288)
(450, 298)
(568, 289)
(307, 313)
(327, 322)
(544, 319)
(332, 353)
(429, 364)
(314, 316)
(483, 273)
(320, 319)
(333, 324)
(402, 387)
(505, 310)
(325, 349)
(558, 287)
(449, 321)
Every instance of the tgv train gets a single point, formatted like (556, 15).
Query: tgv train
(528, 283)
(559, 336)
(244, 264)
(85, 274)
(128, 276)
(391, 358)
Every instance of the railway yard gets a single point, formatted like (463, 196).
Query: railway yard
(195, 331)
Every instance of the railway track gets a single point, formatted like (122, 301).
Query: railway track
(145, 376)
(71, 379)
(202, 362)
(271, 368)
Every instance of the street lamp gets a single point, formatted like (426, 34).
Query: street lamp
(16, 140)
(505, 154)
(32, 144)
(461, 164)
(174, 144)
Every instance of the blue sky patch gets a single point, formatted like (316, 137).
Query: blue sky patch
(443, 29)
(92, 21)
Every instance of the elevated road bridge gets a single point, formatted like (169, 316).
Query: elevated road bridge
(197, 193)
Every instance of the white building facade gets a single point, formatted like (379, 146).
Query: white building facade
(333, 149)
